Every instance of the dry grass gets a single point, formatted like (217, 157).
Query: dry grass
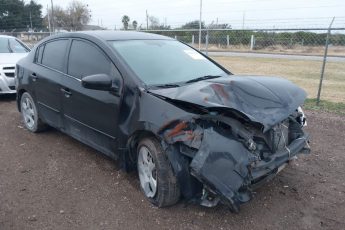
(304, 73)
(279, 49)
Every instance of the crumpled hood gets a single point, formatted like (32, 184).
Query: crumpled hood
(266, 100)
(11, 58)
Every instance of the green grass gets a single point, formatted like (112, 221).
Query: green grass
(328, 106)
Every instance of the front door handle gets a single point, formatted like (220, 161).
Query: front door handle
(66, 92)
(33, 76)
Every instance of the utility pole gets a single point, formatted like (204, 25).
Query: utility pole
(243, 19)
(53, 20)
(147, 20)
(200, 25)
(30, 22)
(48, 19)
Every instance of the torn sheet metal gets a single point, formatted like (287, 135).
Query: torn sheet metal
(222, 164)
(225, 161)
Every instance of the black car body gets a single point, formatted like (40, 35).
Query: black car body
(222, 135)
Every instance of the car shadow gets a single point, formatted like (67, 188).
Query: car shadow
(7, 97)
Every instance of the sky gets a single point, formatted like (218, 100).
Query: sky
(239, 14)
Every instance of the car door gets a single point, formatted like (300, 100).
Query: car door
(90, 115)
(46, 75)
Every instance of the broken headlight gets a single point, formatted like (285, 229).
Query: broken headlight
(301, 118)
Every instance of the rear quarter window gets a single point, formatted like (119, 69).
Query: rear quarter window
(39, 54)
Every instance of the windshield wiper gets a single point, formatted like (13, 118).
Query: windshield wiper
(174, 85)
(168, 86)
(203, 78)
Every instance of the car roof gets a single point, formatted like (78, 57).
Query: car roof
(109, 35)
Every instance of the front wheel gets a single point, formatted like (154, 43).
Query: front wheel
(30, 114)
(157, 180)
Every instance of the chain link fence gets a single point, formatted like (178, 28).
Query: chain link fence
(289, 41)
(28, 38)
(290, 53)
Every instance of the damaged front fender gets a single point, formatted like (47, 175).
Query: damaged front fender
(222, 164)
(219, 153)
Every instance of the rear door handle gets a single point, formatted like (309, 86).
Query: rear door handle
(34, 76)
(66, 92)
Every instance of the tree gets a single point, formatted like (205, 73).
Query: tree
(135, 24)
(61, 18)
(33, 15)
(219, 26)
(74, 17)
(193, 25)
(155, 24)
(125, 21)
(15, 15)
(78, 15)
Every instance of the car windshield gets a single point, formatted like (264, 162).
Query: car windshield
(12, 45)
(162, 62)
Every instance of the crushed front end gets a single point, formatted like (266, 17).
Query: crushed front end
(230, 157)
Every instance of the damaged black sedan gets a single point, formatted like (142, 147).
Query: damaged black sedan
(190, 128)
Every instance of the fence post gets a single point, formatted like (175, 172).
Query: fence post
(252, 42)
(324, 63)
(193, 39)
(227, 41)
(207, 43)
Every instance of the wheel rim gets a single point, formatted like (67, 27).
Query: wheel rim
(28, 112)
(147, 172)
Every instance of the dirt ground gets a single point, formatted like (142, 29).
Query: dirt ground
(51, 181)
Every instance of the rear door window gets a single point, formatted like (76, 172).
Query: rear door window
(54, 54)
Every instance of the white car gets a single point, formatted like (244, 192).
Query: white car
(11, 51)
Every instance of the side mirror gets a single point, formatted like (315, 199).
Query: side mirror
(97, 82)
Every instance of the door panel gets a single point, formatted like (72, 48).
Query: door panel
(50, 62)
(90, 115)
(47, 92)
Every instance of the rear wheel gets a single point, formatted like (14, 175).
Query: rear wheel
(157, 180)
(30, 114)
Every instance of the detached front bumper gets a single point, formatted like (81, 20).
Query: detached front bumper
(230, 171)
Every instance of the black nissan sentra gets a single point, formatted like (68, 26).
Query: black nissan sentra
(189, 127)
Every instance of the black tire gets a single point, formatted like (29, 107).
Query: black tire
(37, 125)
(168, 190)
